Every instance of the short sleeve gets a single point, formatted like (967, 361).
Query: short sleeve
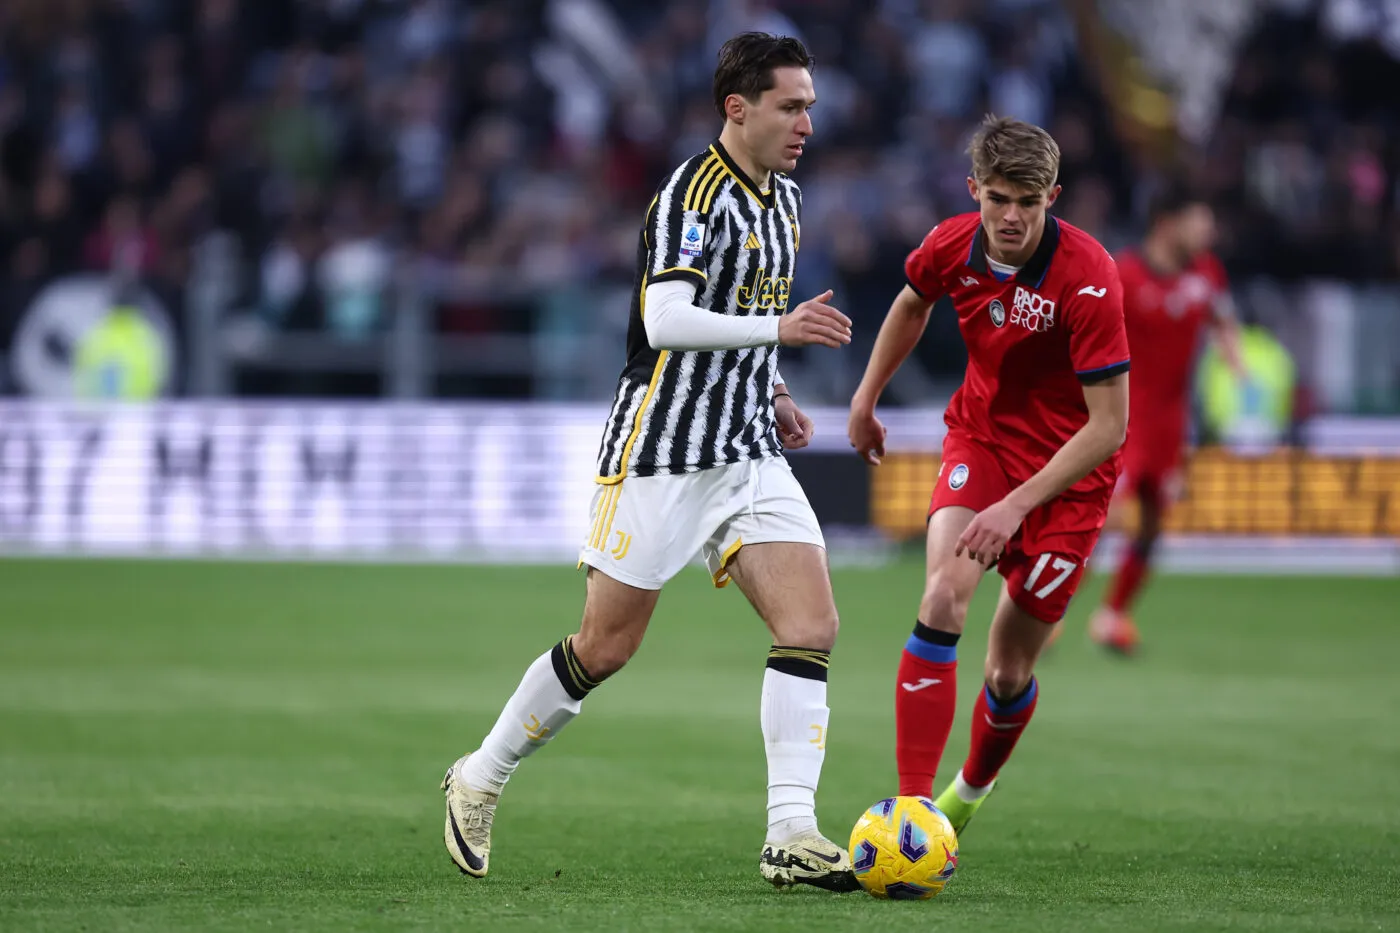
(1098, 339)
(677, 234)
(921, 269)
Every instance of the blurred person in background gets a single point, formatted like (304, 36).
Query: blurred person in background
(1174, 289)
(123, 356)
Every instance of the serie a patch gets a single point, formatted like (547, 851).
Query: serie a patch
(692, 239)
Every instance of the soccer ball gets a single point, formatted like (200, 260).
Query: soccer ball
(904, 848)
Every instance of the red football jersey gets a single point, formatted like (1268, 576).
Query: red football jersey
(1032, 340)
(1165, 315)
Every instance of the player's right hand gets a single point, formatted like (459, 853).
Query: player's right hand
(814, 322)
(867, 435)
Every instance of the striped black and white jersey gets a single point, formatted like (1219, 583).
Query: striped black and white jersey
(678, 412)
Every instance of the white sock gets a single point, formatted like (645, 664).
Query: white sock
(966, 792)
(535, 714)
(794, 716)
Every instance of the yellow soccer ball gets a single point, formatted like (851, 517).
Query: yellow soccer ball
(904, 848)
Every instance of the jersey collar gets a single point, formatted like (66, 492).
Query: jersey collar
(1034, 271)
(748, 183)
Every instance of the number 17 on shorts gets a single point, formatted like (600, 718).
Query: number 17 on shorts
(1061, 569)
(1043, 584)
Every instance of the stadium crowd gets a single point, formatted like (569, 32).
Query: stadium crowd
(498, 149)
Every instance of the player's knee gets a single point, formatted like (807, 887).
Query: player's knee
(944, 606)
(824, 629)
(1007, 681)
(812, 631)
(604, 655)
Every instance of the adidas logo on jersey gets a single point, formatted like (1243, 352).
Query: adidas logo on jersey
(752, 242)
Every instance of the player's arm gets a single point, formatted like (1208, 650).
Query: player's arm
(681, 250)
(795, 428)
(1091, 445)
(901, 331)
(899, 334)
(674, 322)
(1225, 334)
(1098, 349)
(1099, 352)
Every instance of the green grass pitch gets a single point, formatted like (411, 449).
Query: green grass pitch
(238, 746)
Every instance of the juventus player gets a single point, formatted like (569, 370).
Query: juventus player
(691, 461)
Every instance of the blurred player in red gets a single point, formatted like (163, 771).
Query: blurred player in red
(1031, 456)
(1173, 289)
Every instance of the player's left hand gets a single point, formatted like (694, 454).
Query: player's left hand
(794, 428)
(986, 535)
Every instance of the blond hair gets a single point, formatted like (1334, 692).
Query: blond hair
(1020, 152)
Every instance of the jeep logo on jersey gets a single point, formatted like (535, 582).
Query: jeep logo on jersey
(958, 478)
(1033, 312)
(998, 311)
(765, 292)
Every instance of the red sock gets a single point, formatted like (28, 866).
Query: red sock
(995, 729)
(1129, 579)
(925, 698)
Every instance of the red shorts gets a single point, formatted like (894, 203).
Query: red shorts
(1151, 459)
(1152, 453)
(1045, 559)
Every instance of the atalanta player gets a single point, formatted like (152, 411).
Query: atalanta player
(1032, 451)
(1174, 290)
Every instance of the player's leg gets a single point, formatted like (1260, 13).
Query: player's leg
(1112, 625)
(624, 580)
(549, 696)
(773, 550)
(615, 617)
(788, 585)
(1003, 709)
(926, 687)
(1037, 591)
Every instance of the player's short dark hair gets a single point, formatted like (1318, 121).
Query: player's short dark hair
(746, 64)
(1171, 199)
(1020, 152)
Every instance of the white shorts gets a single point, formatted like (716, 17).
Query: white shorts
(645, 529)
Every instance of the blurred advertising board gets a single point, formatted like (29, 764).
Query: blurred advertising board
(513, 482)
